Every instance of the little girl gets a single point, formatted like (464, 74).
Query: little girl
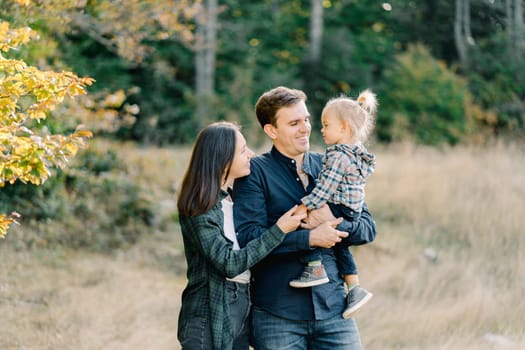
(346, 165)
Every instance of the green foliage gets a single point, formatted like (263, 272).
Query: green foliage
(422, 100)
(92, 205)
(358, 41)
(165, 97)
(262, 44)
(89, 57)
(497, 79)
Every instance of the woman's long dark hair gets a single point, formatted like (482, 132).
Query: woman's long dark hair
(210, 162)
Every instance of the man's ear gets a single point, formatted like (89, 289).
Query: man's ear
(269, 129)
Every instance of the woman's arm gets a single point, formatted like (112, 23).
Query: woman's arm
(208, 236)
(251, 215)
(207, 233)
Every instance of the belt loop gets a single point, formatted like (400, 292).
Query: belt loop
(235, 289)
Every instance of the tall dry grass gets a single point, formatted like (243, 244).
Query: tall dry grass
(447, 267)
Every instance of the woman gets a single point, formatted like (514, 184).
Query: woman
(215, 302)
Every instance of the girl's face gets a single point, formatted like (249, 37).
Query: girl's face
(334, 129)
(241, 160)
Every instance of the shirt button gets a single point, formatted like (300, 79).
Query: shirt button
(293, 161)
(298, 179)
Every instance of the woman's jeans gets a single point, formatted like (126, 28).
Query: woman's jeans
(271, 332)
(239, 299)
(197, 334)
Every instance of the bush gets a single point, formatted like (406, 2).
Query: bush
(91, 205)
(497, 81)
(422, 100)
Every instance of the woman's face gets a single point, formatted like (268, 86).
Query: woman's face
(241, 160)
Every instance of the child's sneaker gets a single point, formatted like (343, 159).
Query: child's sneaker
(355, 299)
(311, 276)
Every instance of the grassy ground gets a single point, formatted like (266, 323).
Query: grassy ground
(447, 268)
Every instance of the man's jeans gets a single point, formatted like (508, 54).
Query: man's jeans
(271, 332)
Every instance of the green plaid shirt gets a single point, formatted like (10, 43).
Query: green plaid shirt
(210, 259)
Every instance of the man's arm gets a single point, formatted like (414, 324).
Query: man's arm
(206, 234)
(361, 231)
(327, 235)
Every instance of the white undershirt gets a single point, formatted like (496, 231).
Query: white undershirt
(229, 231)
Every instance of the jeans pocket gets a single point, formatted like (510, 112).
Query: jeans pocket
(196, 334)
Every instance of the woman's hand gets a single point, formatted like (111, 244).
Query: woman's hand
(290, 220)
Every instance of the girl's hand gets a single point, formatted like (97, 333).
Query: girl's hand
(290, 220)
(317, 217)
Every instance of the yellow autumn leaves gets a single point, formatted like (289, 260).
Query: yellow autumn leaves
(27, 94)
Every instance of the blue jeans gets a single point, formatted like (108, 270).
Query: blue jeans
(239, 300)
(271, 332)
(196, 334)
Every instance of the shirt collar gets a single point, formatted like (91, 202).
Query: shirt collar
(223, 194)
(281, 157)
(290, 162)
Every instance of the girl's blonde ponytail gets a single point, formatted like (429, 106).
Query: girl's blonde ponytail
(368, 101)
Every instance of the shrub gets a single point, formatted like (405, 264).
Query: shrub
(91, 205)
(421, 99)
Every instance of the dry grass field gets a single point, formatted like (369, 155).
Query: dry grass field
(447, 268)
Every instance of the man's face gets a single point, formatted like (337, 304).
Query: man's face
(292, 131)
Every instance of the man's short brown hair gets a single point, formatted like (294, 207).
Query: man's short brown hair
(272, 100)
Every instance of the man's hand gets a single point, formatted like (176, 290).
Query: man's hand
(317, 217)
(325, 235)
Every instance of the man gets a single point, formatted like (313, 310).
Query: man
(305, 318)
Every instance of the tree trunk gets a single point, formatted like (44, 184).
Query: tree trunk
(316, 31)
(462, 32)
(466, 23)
(515, 26)
(519, 28)
(276, 8)
(510, 23)
(311, 77)
(205, 53)
(459, 35)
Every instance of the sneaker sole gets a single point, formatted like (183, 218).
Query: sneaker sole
(349, 312)
(309, 284)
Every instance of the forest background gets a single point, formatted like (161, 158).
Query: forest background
(448, 192)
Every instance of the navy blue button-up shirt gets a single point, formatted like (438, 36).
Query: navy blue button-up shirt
(272, 188)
